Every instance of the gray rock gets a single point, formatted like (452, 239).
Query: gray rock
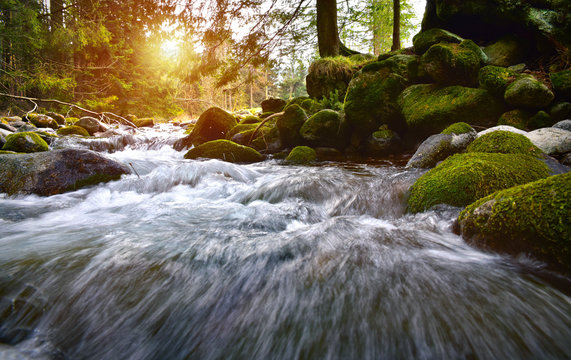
(56, 171)
(563, 124)
(551, 140)
(8, 352)
(91, 124)
(438, 147)
(7, 127)
(502, 128)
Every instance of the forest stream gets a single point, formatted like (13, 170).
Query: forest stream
(188, 259)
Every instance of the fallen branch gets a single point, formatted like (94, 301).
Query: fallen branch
(260, 126)
(102, 115)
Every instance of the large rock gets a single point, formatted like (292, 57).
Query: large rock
(425, 39)
(464, 178)
(72, 130)
(383, 142)
(301, 155)
(563, 124)
(371, 100)
(325, 129)
(531, 219)
(213, 124)
(429, 109)
(91, 124)
(25, 142)
(454, 64)
(562, 83)
(551, 140)
(502, 128)
(517, 118)
(397, 64)
(41, 121)
(224, 150)
(505, 52)
(290, 123)
(528, 92)
(329, 75)
(560, 111)
(55, 172)
(496, 79)
(504, 142)
(273, 105)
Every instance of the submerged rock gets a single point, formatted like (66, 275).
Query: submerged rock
(25, 142)
(225, 150)
(464, 178)
(530, 219)
(55, 172)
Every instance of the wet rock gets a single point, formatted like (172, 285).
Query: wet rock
(325, 129)
(532, 219)
(6, 126)
(383, 142)
(454, 64)
(440, 146)
(425, 39)
(41, 121)
(91, 124)
(564, 124)
(25, 142)
(55, 172)
(144, 122)
(301, 155)
(551, 140)
(529, 93)
(213, 124)
(273, 105)
(224, 150)
(464, 178)
(72, 130)
(59, 118)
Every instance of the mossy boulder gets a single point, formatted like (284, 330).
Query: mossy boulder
(383, 142)
(532, 219)
(464, 178)
(290, 123)
(224, 150)
(328, 75)
(239, 129)
(540, 119)
(397, 64)
(91, 124)
(59, 118)
(250, 119)
(72, 130)
(265, 138)
(517, 118)
(428, 109)
(529, 93)
(311, 106)
(459, 128)
(55, 172)
(144, 122)
(560, 111)
(273, 105)
(41, 121)
(503, 142)
(506, 52)
(213, 124)
(325, 129)
(25, 142)
(371, 101)
(496, 79)
(561, 82)
(301, 155)
(71, 120)
(454, 64)
(425, 39)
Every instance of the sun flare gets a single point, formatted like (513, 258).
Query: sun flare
(170, 48)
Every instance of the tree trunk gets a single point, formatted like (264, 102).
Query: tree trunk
(396, 25)
(56, 14)
(327, 31)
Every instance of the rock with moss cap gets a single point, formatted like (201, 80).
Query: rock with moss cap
(532, 219)
(529, 93)
(505, 52)
(144, 122)
(371, 101)
(41, 121)
(425, 39)
(325, 129)
(25, 142)
(452, 140)
(397, 64)
(540, 119)
(290, 123)
(429, 109)
(517, 118)
(224, 150)
(327, 75)
(213, 124)
(55, 172)
(383, 142)
(562, 83)
(504, 142)
(464, 178)
(560, 111)
(454, 64)
(496, 79)
(59, 118)
(250, 119)
(265, 138)
(301, 155)
(240, 128)
(72, 130)
(273, 105)
(91, 124)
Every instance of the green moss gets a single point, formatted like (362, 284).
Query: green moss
(71, 120)
(93, 180)
(527, 92)
(541, 119)
(297, 100)
(424, 40)
(504, 142)
(496, 79)
(517, 118)
(562, 83)
(330, 74)
(324, 129)
(5, 152)
(458, 128)
(531, 218)
(384, 133)
(212, 124)
(240, 128)
(463, 178)
(429, 109)
(290, 123)
(453, 64)
(301, 155)
(224, 150)
(25, 142)
(41, 121)
(144, 122)
(250, 120)
(72, 130)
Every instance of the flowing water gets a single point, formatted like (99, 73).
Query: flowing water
(212, 260)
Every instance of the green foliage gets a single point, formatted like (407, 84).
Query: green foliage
(332, 102)
(464, 178)
(504, 142)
